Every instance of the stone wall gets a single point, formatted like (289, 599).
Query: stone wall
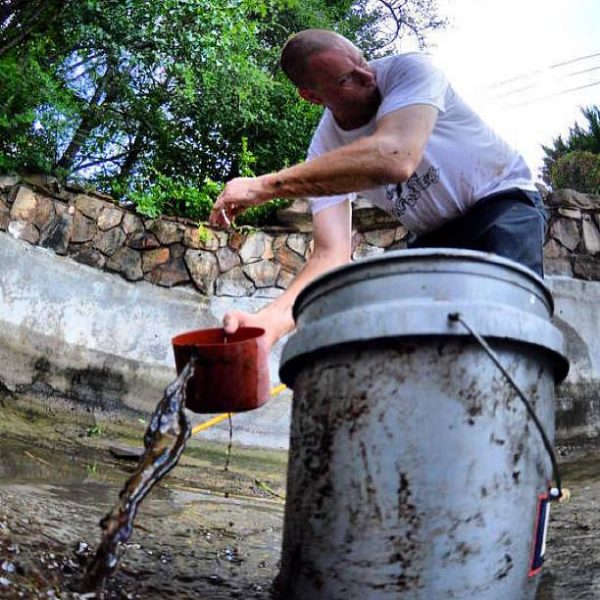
(92, 229)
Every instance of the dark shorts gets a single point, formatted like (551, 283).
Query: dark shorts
(510, 223)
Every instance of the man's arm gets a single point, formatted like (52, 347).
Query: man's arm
(332, 247)
(389, 155)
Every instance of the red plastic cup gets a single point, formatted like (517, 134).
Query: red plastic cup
(232, 372)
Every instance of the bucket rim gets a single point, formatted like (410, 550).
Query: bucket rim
(407, 255)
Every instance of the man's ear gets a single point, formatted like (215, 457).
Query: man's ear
(310, 96)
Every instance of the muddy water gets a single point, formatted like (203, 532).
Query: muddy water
(189, 540)
(204, 533)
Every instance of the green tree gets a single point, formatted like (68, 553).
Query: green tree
(580, 139)
(151, 100)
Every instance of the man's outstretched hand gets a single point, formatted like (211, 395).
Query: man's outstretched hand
(235, 319)
(238, 195)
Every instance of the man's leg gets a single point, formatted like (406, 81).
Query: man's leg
(510, 224)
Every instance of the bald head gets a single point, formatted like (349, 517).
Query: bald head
(301, 46)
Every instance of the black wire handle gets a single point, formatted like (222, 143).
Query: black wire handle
(557, 492)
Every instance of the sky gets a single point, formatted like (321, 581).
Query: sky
(526, 66)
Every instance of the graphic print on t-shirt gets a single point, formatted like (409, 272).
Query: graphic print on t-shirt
(403, 196)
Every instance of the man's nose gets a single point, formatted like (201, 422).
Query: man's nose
(365, 75)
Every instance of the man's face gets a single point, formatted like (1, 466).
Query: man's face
(341, 80)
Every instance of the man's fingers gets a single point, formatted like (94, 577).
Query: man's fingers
(231, 322)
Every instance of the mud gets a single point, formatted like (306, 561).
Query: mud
(203, 532)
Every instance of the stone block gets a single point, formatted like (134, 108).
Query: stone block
(45, 212)
(285, 279)
(552, 249)
(234, 283)
(132, 224)
(270, 292)
(227, 259)
(57, 234)
(154, 258)
(236, 240)
(84, 229)
(566, 232)
(297, 242)
(167, 232)
(297, 216)
(22, 230)
(587, 267)
(8, 181)
(89, 205)
(108, 242)
(170, 274)
(258, 245)
(203, 268)
(25, 205)
(381, 238)
(262, 273)
(570, 213)
(558, 266)
(289, 260)
(4, 217)
(87, 255)
(109, 218)
(591, 237)
(366, 250)
(572, 199)
(142, 241)
(206, 239)
(128, 262)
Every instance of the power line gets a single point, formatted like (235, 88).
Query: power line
(561, 93)
(536, 71)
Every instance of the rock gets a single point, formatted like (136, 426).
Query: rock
(236, 239)
(591, 237)
(132, 224)
(262, 273)
(285, 279)
(109, 241)
(45, 212)
(24, 231)
(200, 239)
(552, 249)
(154, 258)
(204, 269)
(297, 242)
(109, 218)
(289, 260)
(566, 232)
(365, 216)
(227, 259)
(366, 250)
(166, 232)
(257, 245)
(382, 238)
(143, 241)
(25, 205)
(8, 181)
(400, 233)
(57, 234)
(87, 255)
(89, 205)
(84, 229)
(234, 283)
(297, 216)
(570, 213)
(172, 273)
(558, 266)
(4, 217)
(128, 262)
(572, 199)
(587, 267)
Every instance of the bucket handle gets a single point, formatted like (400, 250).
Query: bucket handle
(555, 493)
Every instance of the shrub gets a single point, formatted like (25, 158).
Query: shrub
(579, 170)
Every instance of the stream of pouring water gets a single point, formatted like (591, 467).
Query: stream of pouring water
(164, 441)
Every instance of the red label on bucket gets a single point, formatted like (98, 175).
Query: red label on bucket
(539, 539)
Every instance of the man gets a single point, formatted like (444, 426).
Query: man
(395, 131)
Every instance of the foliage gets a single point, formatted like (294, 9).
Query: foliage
(579, 139)
(162, 102)
(578, 170)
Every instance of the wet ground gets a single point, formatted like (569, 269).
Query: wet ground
(204, 532)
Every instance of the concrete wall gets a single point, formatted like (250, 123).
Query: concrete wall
(69, 331)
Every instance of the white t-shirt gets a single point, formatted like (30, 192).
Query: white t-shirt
(464, 160)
